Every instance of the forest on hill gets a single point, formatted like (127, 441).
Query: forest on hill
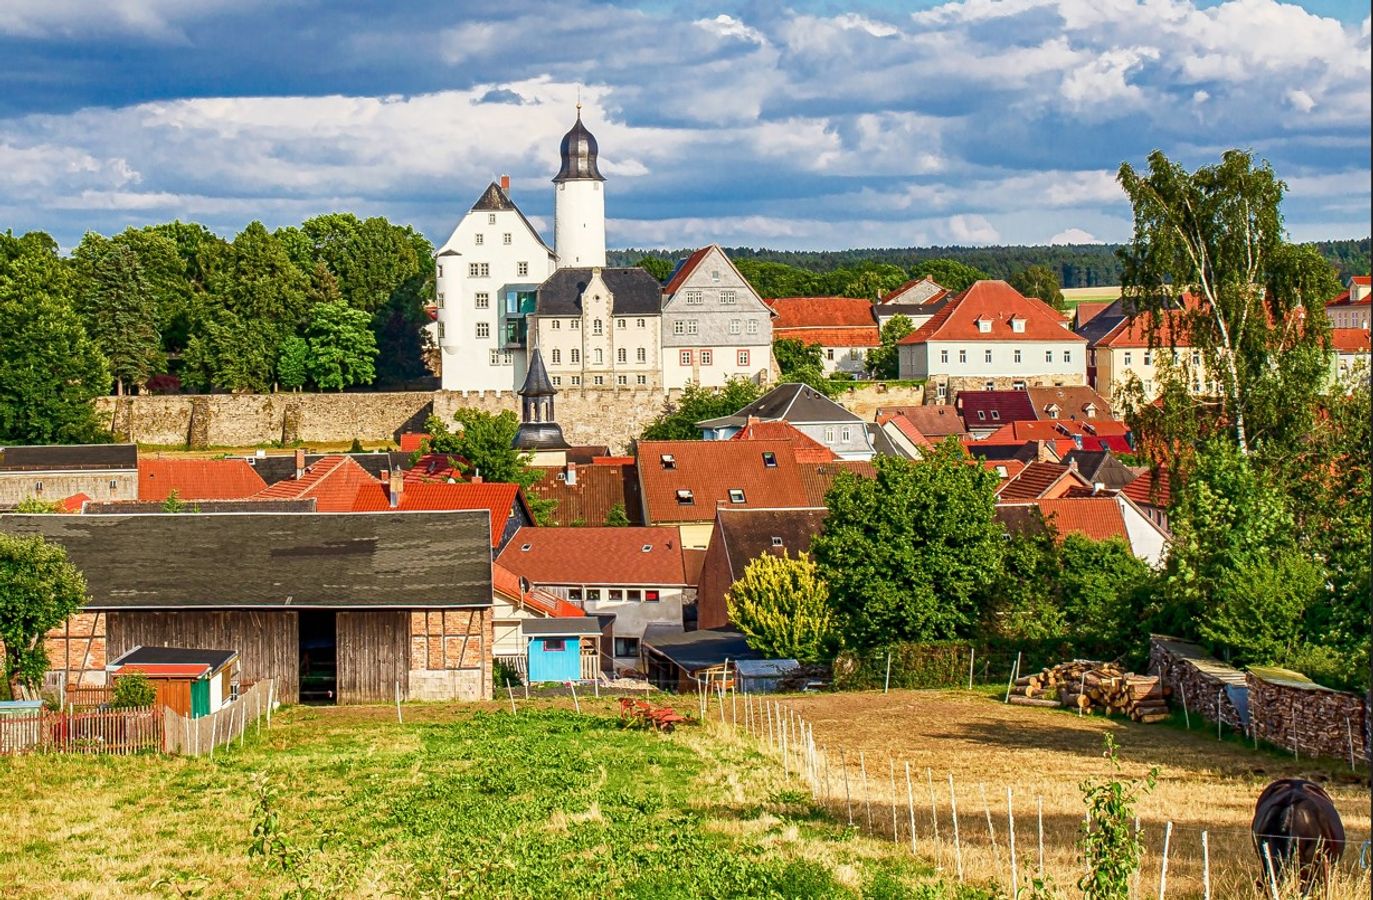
(1077, 265)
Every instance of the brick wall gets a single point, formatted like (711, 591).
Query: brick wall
(76, 649)
(451, 654)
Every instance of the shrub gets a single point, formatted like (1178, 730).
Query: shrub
(504, 673)
(1110, 847)
(133, 689)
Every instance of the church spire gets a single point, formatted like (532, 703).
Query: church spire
(538, 429)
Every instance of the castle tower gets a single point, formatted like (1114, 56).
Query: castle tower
(538, 432)
(579, 202)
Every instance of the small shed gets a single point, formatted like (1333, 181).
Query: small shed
(553, 646)
(191, 682)
(760, 676)
(684, 660)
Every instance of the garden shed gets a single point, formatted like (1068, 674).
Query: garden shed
(189, 681)
(684, 660)
(761, 676)
(555, 646)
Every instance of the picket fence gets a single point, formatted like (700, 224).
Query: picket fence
(196, 737)
(118, 732)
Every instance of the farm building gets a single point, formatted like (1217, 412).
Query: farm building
(191, 682)
(349, 606)
(53, 472)
(683, 661)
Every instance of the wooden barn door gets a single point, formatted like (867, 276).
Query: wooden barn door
(373, 655)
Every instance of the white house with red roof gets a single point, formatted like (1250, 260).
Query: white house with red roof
(1351, 308)
(1350, 347)
(714, 325)
(844, 328)
(992, 337)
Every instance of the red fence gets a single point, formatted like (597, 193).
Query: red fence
(118, 732)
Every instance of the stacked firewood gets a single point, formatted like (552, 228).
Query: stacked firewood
(1092, 686)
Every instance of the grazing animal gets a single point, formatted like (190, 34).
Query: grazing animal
(1298, 821)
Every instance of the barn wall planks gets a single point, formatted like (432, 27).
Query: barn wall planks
(373, 655)
(268, 642)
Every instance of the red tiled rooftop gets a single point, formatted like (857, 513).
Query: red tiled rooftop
(817, 479)
(434, 467)
(1097, 518)
(507, 583)
(333, 482)
(935, 421)
(806, 448)
(997, 303)
(588, 501)
(866, 336)
(615, 556)
(197, 479)
(1350, 340)
(708, 470)
(1038, 479)
(685, 270)
(907, 429)
(74, 503)
(821, 313)
(1057, 429)
(1152, 488)
(1086, 312)
(496, 498)
(412, 441)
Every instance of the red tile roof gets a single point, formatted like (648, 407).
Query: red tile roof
(1057, 429)
(1349, 340)
(197, 479)
(706, 471)
(997, 303)
(74, 503)
(934, 421)
(412, 441)
(821, 312)
(1072, 402)
(434, 467)
(1013, 468)
(1135, 332)
(597, 490)
(333, 482)
(1097, 518)
(832, 337)
(1086, 312)
(907, 429)
(1039, 479)
(596, 556)
(817, 479)
(685, 269)
(1152, 488)
(806, 448)
(507, 583)
(1364, 280)
(497, 499)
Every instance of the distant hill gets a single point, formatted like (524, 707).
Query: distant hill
(1077, 265)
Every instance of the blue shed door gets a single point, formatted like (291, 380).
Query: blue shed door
(555, 659)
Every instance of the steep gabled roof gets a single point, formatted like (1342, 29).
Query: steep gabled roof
(1072, 402)
(1153, 487)
(197, 479)
(807, 449)
(333, 482)
(494, 199)
(1134, 331)
(635, 292)
(684, 269)
(1097, 518)
(616, 556)
(685, 481)
(917, 291)
(992, 409)
(746, 534)
(796, 403)
(1040, 479)
(597, 489)
(1086, 312)
(997, 304)
(936, 421)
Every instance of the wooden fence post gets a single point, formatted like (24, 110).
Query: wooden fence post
(953, 811)
(1163, 871)
(910, 806)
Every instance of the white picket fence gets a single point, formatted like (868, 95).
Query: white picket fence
(196, 737)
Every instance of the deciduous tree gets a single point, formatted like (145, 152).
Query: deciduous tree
(677, 422)
(781, 605)
(1040, 282)
(950, 273)
(884, 361)
(39, 589)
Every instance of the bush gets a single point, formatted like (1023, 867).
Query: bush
(503, 673)
(133, 689)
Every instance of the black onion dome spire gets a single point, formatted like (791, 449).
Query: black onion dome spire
(579, 154)
(538, 430)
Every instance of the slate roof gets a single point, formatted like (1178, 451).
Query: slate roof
(130, 507)
(495, 199)
(68, 457)
(1072, 402)
(579, 153)
(197, 479)
(796, 403)
(934, 421)
(598, 489)
(916, 292)
(696, 650)
(992, 409)
(817, 479)
(709, 470)
(1026, 452)
(275, 560)
(821, 312)
(495, 499)
(613, 556)
(1100, 467)
(333, 482)
(635, 292)
(282, 466)
(998, 303)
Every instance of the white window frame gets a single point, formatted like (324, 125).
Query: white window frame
(482, 300)
(483, 330)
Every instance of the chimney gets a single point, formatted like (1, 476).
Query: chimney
(475, 479)
(300, 464)
(571, 477)
(1098, 487)
(397, 486)
(505, 182)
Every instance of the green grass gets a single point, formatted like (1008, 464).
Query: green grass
(455, 802)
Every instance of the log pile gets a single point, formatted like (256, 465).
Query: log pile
(1092, 686)
(1196, 679)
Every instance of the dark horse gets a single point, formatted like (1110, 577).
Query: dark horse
(1298, 822)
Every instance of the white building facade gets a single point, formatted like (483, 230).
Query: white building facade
(714, 326)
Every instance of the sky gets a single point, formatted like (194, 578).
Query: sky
(805, 125)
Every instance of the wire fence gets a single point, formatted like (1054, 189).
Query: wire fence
(954, 664)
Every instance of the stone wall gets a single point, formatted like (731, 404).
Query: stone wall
(587, 416)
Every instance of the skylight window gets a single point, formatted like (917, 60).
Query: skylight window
(736, 495)
(776, 541)
(685, 497)
(996, 415)
(647, 547)
(669, 461)
(525, 548)
(770, 459)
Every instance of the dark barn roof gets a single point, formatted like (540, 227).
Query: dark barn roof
(275, 560)
(696, 650)
(636, 292)
(130, 507)
(563, 626)
(68, 457)
(281, 466)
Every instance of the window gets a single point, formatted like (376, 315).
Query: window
(557, 356)
(776, 541)
(634, 595)
(439, 298)
(1018, 326)
(626, 646)
(1196, 358)
(668, 460)
(962, 356)
(495, 357)
(576, 381)
(622, 355)
(576, 356)
(651, 596)
(769, 460)
(685, 358)
(752, 327)
(599, 356)
(597, 327)
(619, 323)
(984, 326)
(733, 326)
(491, 219)
(483, 329)
(557, 381)
(639, 323)
(473, 269)
(481, 239)
(987, 356)
(522, 269)
(829, 434)
(440, 270)
(1148, 357)
(555, 645)
(942, 390)
(707, 357)
(685, 497)
(573, 594)
(1016, 356)
(641, 355)
(996, 413)
(641, 379)
(1067, 356)
(981, 415)
(728, 298)
(575, 324)
(616, 595)
(1048, 356)
(679, 327)
(1018, 385)
(736, 495)
(440, 331)
(622, 379)
(943, 356)
(113, 484)
(845, 434)
(829, 353)
(1129, 357)
(484, 270)
(593, 594)
(693, 298)
(598, 380)
(743, 357)
(506, 239)
(692, 326)
(482, 299)
(715, 276)
(556, 323)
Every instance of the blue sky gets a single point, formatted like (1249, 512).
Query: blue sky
(800, 125)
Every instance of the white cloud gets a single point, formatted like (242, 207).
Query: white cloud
(1073, 236)
(972, 230)
(1300, 100)
(730, 27)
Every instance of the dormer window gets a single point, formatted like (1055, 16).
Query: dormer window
(1089, 410)
(685, 497)
(769, 460)
(736, 495)
(668, 460)
(1053, 410)
(1018, 325)
(984, 326)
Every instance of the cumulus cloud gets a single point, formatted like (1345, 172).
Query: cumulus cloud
(1073, 236)
(972, 230)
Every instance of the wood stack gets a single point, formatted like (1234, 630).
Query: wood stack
(1092, 686)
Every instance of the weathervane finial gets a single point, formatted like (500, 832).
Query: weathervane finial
(579, 101)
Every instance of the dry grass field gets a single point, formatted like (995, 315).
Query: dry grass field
(1042, 755)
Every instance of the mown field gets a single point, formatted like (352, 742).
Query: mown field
(459, 801)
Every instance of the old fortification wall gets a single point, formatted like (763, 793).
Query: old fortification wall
(246, 420)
